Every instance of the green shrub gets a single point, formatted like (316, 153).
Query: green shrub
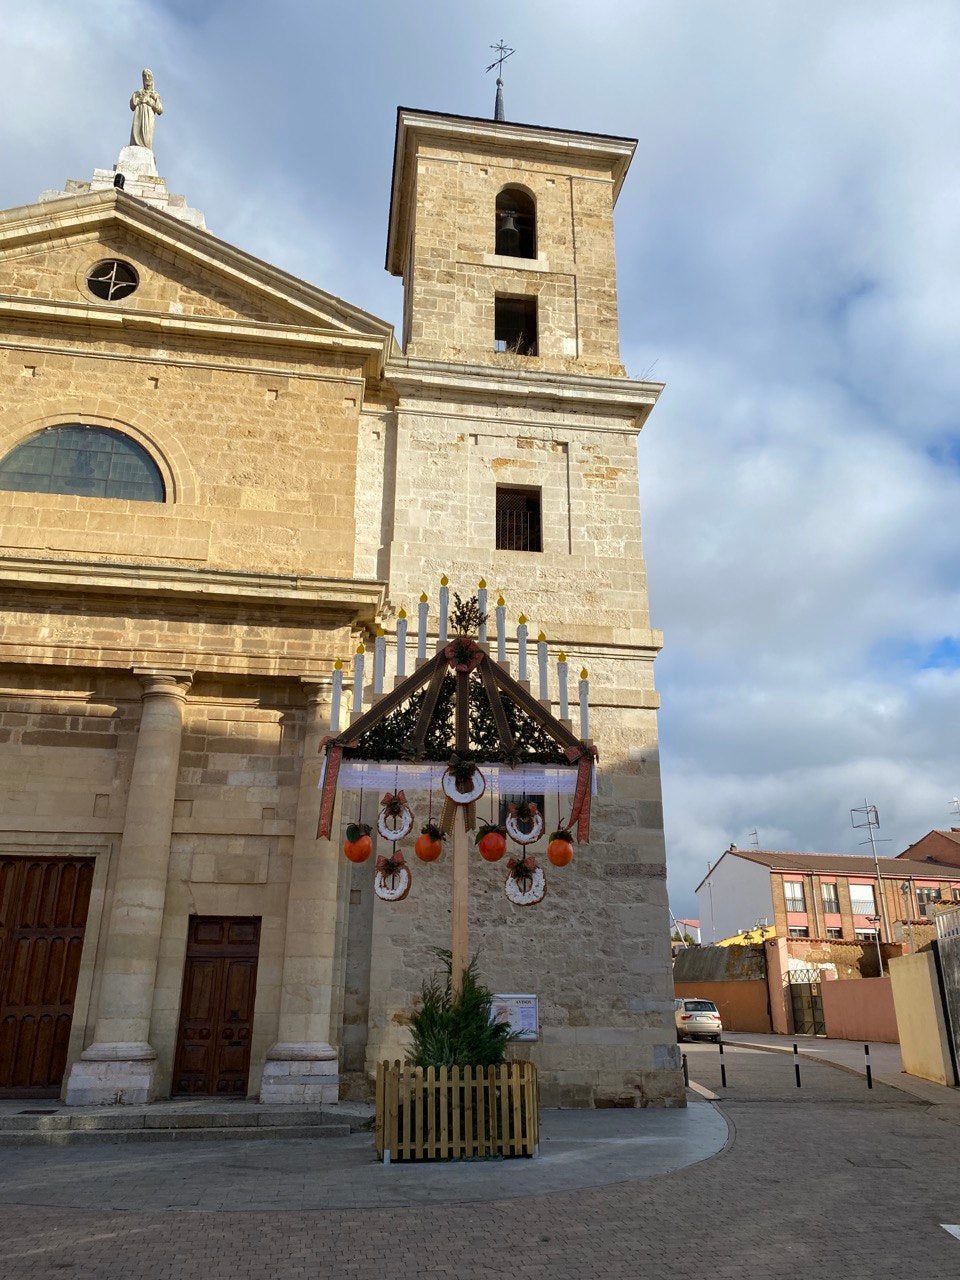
(456, 1030)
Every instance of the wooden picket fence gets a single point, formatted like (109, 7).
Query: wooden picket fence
(454, 1114)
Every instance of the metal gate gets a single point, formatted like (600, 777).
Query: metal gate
(807, 1003)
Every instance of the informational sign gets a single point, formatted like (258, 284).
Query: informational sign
(521, 1013)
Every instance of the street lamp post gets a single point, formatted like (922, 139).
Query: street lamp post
(875, 921)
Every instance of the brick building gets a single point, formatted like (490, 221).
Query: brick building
(214, 480)
(821, 895)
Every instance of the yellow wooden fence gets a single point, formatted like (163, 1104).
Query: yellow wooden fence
(453, 1113)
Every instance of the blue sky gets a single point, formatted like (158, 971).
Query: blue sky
(788, 254)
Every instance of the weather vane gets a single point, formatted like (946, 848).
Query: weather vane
(504, 53)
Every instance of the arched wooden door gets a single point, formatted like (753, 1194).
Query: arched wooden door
(216, 1008)
(43, 914)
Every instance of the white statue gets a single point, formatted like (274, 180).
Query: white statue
(146, 106)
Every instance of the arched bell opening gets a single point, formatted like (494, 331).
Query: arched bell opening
(516, 233)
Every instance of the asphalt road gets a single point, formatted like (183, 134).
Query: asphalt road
(829, 1180)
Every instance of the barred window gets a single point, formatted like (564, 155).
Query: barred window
(519, 526)
(91, 462)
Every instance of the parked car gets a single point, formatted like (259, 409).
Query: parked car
(695, 1017)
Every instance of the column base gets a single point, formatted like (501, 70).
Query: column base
(113, 1074)
(301, 1073)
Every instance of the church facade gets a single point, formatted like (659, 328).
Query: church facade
(215, 480)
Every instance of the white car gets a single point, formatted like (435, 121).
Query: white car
(695, 1017)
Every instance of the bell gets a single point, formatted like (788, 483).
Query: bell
(508, 236)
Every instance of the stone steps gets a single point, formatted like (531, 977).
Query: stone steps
(64, 1127)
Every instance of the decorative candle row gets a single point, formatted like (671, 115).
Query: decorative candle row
(379, 664)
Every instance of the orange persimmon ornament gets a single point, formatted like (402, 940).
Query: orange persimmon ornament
(560, 848)
(358, 846)
(491, 842)
(429, 843)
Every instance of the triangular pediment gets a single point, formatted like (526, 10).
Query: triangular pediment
(47, 249)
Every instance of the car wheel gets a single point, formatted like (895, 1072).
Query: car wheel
(715, 1039)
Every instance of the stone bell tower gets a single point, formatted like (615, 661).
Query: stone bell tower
(503, 234)
(508, 448)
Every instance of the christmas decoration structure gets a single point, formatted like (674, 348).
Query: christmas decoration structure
(392, 881)
(461, 718)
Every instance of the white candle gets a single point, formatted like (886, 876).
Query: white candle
(562, 681)
(482, 602)
(402, 643)
(522, 647)
(422, 608)
(335, 695)
(542, 664)
(358, 679)
(584, 705)
(444, 609)
(501, 629)
(379, 660)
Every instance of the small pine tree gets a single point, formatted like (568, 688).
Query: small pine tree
(456, 1030)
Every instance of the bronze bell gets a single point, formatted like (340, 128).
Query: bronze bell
(508, 236)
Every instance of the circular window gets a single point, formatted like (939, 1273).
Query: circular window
(112, 280)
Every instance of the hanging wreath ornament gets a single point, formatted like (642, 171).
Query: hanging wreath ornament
(462, 781)
(525, 884)
(524, 822)
(395, 819)
(393, 879)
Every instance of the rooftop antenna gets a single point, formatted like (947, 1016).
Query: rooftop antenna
(955, 806)
(754, 838)
(503, 53)
(871, 820)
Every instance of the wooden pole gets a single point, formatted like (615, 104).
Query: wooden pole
(459, 940)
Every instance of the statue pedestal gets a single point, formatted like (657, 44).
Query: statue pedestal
(136, 163)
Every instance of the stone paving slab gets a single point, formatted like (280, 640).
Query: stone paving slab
(831, 1180)
(578, 1149)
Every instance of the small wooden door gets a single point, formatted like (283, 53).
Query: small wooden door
(216, 1010)
(43, 913)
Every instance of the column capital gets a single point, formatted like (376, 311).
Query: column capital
(172, 682)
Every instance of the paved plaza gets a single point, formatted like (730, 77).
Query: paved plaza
(827, 1180)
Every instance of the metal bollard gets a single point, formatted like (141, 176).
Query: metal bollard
(796, 1062)
(866, 1055)
(723, 1069)
(686, 1071)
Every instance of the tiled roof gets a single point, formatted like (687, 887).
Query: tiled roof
(844, 864)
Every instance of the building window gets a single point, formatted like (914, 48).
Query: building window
(835, 934)
(516, 235)
(112, 280)
(515, 325)
(866, 935)
(519, 526)
(927, 896)
(89, 462)
(831, 902)
(797, 932)
(956, 894)
(793, 892)
(862, 900)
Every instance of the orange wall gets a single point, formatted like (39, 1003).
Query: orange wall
(742, 1005)
(861, 1009)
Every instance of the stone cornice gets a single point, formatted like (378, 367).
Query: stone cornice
(414, 379)
(354, 601)
(30, 225)
(611, 153)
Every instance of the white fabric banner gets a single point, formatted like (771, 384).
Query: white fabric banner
(381, 775)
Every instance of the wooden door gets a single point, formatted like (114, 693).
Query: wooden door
(43, 913)
(216, 1009)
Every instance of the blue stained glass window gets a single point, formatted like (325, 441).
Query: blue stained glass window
(90, 462)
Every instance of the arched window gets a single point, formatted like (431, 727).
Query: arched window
(516, 223)
(90, 462)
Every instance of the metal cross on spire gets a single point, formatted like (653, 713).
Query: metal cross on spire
(503, 53)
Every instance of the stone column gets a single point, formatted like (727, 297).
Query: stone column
(120, 1065)
(302, 1066)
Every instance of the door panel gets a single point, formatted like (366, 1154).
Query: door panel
(216, 1011)
(43, 913)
